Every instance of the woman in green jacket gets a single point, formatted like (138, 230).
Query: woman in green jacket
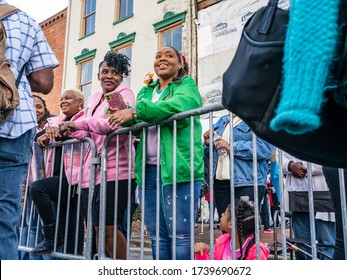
(172, 93)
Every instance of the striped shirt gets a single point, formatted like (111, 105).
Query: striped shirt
(26, 46)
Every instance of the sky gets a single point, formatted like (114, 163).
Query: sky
(40, 10)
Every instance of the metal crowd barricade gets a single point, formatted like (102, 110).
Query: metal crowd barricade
(142, 126)
(140, 250)
(288, 244)
(31, 234)
(145, 253)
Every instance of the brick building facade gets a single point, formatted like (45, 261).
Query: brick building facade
(54, 29)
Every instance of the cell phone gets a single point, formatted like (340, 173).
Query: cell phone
(115, 100)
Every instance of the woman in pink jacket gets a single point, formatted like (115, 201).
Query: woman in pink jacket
(112, 70)
(44, 192)
(245, 225)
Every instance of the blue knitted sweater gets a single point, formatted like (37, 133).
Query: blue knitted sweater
(308, 53)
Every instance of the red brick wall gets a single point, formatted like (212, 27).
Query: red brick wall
(54, 29)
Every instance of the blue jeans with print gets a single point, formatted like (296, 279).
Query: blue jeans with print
(183, 222)
(14, 161)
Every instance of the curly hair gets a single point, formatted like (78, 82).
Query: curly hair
(47, 114)
(245, 225)
(117, 60)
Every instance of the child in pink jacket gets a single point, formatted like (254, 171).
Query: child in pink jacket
(245, 225)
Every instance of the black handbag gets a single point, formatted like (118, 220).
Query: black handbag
(252, 87)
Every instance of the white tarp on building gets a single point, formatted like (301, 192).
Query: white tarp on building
(219, 32)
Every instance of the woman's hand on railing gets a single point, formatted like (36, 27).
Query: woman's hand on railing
(120, 117)
(42, 140)
(52, 132)
(66, 128)
(207, 138)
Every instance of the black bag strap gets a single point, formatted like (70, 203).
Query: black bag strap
(20, 76)
(268, 16)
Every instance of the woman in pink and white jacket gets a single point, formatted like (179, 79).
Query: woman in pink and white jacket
(44, 192)
(112, 70)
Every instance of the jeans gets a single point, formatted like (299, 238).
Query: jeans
(14, 162)
(265, 209)
(332, 178)
(325, 234)
(183, 222)
(124, 226)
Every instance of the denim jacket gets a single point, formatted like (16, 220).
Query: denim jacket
(243, 154)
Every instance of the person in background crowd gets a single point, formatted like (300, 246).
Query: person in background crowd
(31, 226)
(112, 70)
(243, 161)
(245, 226)
(332, 178)
(42, 112)
(46, 191)
(296, 188)
(265, 210)
(171, 93)
(27, 49)
(274, 179)
(214, 208)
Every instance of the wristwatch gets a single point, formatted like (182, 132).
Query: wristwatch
(133, 109)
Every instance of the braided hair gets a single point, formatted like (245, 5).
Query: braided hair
(46, 115)
(117, 60)
(245, 220)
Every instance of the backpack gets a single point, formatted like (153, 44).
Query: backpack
(252, 87)
(9, 96)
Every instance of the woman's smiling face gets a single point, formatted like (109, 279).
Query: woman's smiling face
(39, 108)
(167, 63)
(69, 104)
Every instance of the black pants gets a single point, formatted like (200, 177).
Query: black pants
(332, 179)
(45, 194)
(222, 194)
(84, 205)
(110, 201)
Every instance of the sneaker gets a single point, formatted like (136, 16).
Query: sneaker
(268, 230)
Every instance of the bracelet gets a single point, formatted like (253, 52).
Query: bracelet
(133, 109)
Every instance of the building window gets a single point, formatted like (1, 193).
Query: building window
(170, 30)
(85, 81)
(123, 44)
(171, 37)
(126, 50)
(124, 9)
(84, 64)
(89, 7)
